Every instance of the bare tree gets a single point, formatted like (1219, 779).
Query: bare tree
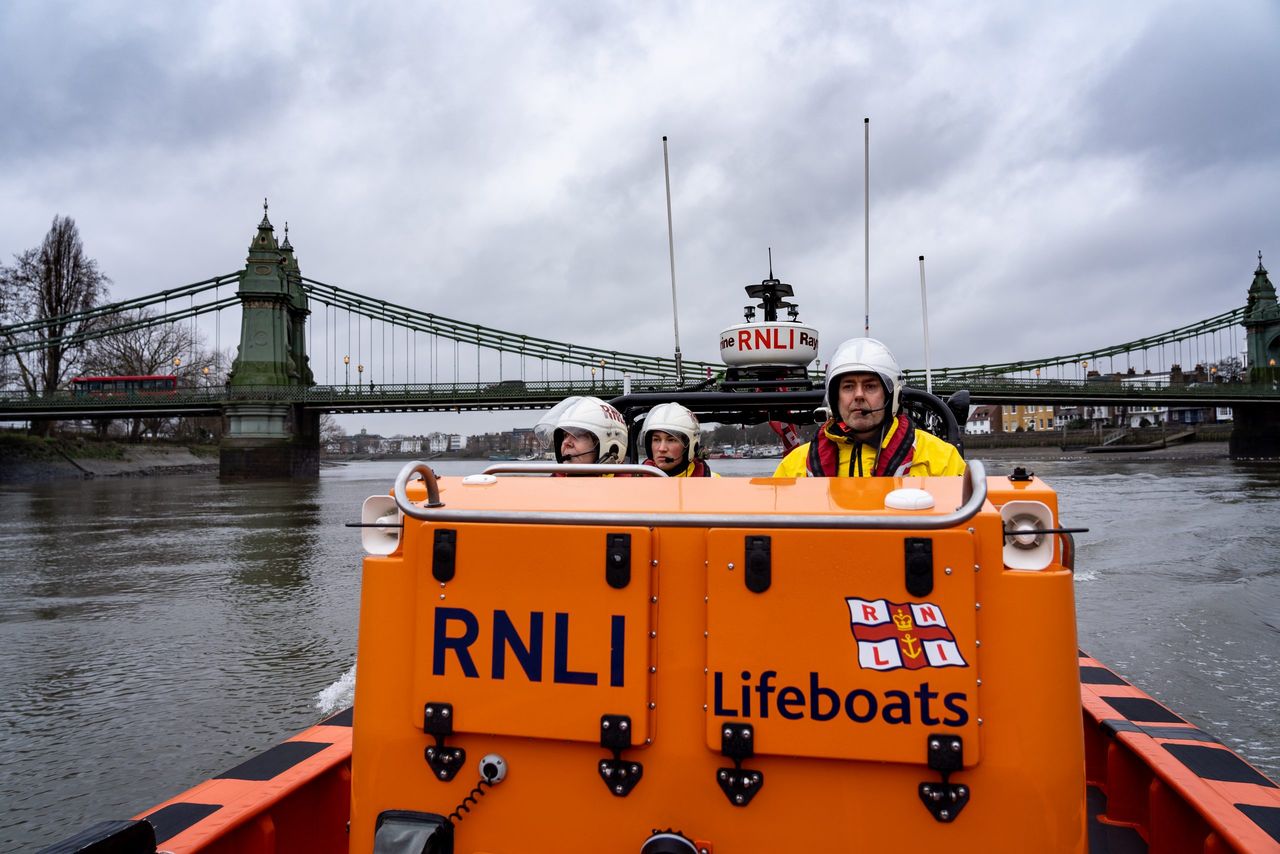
(330, 430)
(1230, 370)
(143, 351)
(50, 284)
(157, 348)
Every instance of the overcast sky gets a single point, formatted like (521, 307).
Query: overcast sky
(1076, 174)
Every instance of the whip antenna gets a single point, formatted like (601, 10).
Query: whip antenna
(866, 226)
(671, 252)
(924, 313)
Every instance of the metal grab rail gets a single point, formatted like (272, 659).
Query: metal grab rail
(546, 467)
(974, 495)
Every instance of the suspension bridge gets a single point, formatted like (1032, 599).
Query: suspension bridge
(306, 347)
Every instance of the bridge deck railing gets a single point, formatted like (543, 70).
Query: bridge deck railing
(500, 394)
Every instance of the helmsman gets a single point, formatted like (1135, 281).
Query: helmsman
(868, 434)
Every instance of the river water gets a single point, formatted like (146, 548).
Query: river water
(155, 631)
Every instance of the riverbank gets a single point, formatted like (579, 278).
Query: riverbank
(1188, 451)
(26, 459)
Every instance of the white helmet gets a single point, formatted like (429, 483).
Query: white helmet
(595, 416)
(674, 419)
(864, 356)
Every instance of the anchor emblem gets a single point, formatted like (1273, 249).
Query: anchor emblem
(910, 646)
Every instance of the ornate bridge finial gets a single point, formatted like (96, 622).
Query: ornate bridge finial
(286, 244)
(266, 223)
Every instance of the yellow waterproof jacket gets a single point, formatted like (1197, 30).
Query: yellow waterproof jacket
(931, 457)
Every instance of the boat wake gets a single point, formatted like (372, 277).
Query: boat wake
(339, 695)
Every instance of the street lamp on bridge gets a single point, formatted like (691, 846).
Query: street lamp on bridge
(359, 377)
(593, 377)
(346, 361)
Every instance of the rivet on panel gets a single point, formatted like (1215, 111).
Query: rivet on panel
(653, 669)
(653, 705)
(653, 600)
(979, 683)
(653, 634)
(977, 643)
(947, 570)
(653, 562)
(441, 595)
(979, 721)
(977, 606)
(730, 566)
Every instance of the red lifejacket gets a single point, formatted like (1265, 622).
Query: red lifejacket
(895, 457)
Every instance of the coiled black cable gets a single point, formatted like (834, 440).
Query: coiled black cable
(472, 798)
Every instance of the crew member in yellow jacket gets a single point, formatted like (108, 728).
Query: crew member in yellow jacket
(868, 435)
(671, 437)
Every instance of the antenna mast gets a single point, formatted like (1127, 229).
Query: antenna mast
(671, 251)
(866, 226)
(924, 313)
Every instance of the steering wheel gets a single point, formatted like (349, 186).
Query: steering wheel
(935, 415)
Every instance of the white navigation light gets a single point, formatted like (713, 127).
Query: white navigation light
(908, 499)
(380, 511)
(1026, 546)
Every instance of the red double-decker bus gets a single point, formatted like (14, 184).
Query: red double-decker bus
(112, 386)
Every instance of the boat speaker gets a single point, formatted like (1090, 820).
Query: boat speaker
(1026, 546)
(381, 522)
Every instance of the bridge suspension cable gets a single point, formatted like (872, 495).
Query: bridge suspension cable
(489, 338)
(1190, 334)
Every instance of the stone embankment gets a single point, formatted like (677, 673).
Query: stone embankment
(28, 458)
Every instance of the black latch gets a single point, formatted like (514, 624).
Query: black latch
(620, 775)
(1020, 475)
(444, 554)
(617, 560)
(918, 555)
(437, 720)
(737, 741)
(946, 755)
(759, 564)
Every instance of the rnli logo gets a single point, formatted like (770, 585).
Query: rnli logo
(893, 635)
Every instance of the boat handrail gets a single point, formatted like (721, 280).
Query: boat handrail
(548, 467)
(973, 496)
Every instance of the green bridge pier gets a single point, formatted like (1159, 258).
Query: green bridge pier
(271, 440)
(1255, 434)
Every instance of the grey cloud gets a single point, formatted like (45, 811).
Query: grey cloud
(1199, 87)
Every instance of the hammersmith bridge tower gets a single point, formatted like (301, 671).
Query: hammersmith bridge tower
(266, 438)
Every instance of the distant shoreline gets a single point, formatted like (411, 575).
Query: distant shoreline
(26, 462)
